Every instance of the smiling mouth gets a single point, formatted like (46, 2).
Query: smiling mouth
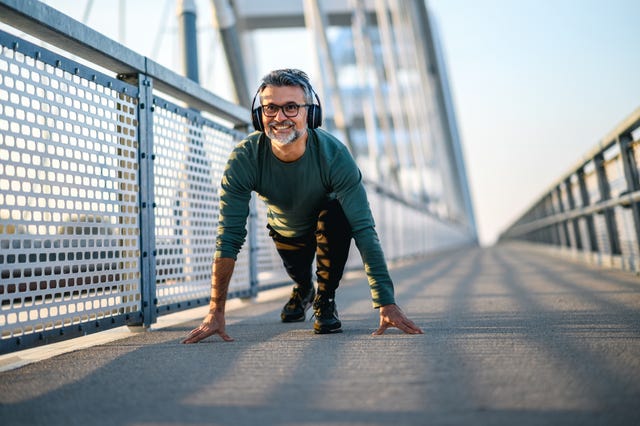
(279, 127)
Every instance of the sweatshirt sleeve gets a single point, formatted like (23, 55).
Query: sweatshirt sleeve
(235, 194)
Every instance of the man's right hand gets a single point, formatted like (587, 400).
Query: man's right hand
(212, 324)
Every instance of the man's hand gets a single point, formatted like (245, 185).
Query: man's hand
(392, 316)
(212, 324)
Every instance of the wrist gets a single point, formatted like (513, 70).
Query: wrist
(216, 306)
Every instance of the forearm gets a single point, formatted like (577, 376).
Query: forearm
(376, 268)
(221, 272)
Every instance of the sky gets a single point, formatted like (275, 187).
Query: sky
(536, 83)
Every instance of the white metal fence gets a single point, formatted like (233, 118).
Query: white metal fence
(593, 212)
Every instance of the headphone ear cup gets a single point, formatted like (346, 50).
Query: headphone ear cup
(256, 118)
(314, 116)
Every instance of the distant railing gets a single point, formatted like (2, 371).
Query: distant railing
(109, 173)
(593, 212)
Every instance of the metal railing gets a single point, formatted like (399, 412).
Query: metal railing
(593, 212)
(109, 172)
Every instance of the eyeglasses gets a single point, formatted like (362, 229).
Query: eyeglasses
(290, 110)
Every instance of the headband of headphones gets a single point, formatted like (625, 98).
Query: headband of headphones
(314, 113)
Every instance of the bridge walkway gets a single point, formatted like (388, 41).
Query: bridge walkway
(512, 336)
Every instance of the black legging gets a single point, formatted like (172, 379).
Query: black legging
(330, 244)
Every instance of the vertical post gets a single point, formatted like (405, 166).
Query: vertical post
(122, 24)
(572, 205)
(188, 38)
(584, 194)
(147, 201)
(605, 194)
(224, 19)
(554, 231)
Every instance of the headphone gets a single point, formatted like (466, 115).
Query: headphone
(314, 114)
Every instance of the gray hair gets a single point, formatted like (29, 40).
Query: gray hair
(289, 77)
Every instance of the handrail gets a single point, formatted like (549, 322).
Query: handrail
(50, 25)
(524, 228)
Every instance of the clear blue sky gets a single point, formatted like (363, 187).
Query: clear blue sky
(536, 83)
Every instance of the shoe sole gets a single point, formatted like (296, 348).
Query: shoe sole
(295, 319)
(326, 330)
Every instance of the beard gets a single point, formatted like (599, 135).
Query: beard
(287, 139)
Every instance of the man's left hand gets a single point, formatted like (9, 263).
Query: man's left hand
(392, 316)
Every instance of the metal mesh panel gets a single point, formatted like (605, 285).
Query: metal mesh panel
(584, 235)
(557, 208)
(602, 234)
(591, 182)
(69, 204)
(190, 156)
(615, 176)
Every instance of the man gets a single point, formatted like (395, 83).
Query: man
(316, 204)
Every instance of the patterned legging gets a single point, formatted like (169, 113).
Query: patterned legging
(329, 244)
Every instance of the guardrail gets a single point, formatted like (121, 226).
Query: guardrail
(109, 172)
(593, 211)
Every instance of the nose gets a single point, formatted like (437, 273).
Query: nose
(280, 115)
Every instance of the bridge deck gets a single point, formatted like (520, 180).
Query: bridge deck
(512, 337)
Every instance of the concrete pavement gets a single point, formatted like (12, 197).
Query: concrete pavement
(511, 337)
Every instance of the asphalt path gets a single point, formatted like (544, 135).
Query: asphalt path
(512, 337)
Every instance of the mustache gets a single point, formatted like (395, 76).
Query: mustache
(282, 123)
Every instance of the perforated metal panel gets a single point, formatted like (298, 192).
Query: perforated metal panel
(190, 156)
(68, 204)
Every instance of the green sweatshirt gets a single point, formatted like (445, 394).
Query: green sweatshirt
(294, 193)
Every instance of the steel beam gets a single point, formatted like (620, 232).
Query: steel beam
(187, 15)
(224, 20)
(317, 22)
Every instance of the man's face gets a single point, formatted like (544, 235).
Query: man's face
(281, 128)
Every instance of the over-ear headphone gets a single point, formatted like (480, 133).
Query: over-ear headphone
(314, 113)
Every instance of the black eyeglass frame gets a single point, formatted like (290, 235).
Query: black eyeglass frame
(282, 107)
